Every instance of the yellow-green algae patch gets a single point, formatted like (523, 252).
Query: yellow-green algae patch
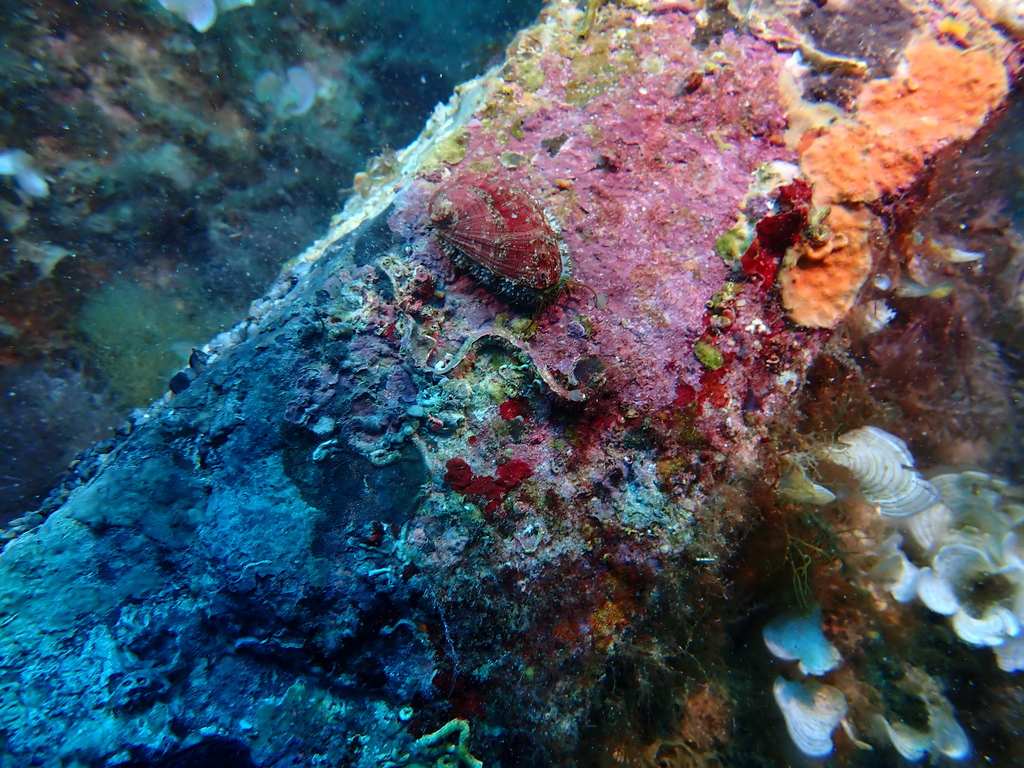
(709, 355)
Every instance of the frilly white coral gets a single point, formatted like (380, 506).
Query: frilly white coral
(966, 524)
(798, 637)
(1010, 655)
(812, 711)
(895, 571)
(884, 467)
(936, 593)
(994, 627)
(944, 735)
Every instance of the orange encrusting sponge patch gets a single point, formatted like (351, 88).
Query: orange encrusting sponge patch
(944, 94)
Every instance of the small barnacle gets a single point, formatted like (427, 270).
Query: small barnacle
(818, 232)
(691, 83)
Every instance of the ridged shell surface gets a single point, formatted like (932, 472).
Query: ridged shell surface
(812, 712)
(885, 469)
(497, 225)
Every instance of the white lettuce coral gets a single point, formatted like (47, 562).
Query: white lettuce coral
(967, 527)
(812, 712)
(798, 637)
(884, 467)
(944, 735)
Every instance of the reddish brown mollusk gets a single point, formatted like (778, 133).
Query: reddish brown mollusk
(495, 225)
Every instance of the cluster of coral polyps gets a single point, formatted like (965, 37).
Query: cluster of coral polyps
(941, 94)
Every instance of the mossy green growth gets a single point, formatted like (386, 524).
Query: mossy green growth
(530, 76)
(452, 754)
(513, 159)
(451, 150)
(728, 292)
(709, 355)
(143, 335)
(733, 243)
(596, 73)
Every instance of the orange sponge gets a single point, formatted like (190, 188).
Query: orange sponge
(819, 285)
(944, 95)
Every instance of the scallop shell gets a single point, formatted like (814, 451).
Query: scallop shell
(496, 225)
(885, 469)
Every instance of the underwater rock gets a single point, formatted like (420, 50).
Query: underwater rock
(812, 711)
(396, 519)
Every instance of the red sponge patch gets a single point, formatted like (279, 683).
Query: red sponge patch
(492, 490)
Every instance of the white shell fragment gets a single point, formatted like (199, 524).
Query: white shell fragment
(798, 637)
(884, 467)
(812, 711)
